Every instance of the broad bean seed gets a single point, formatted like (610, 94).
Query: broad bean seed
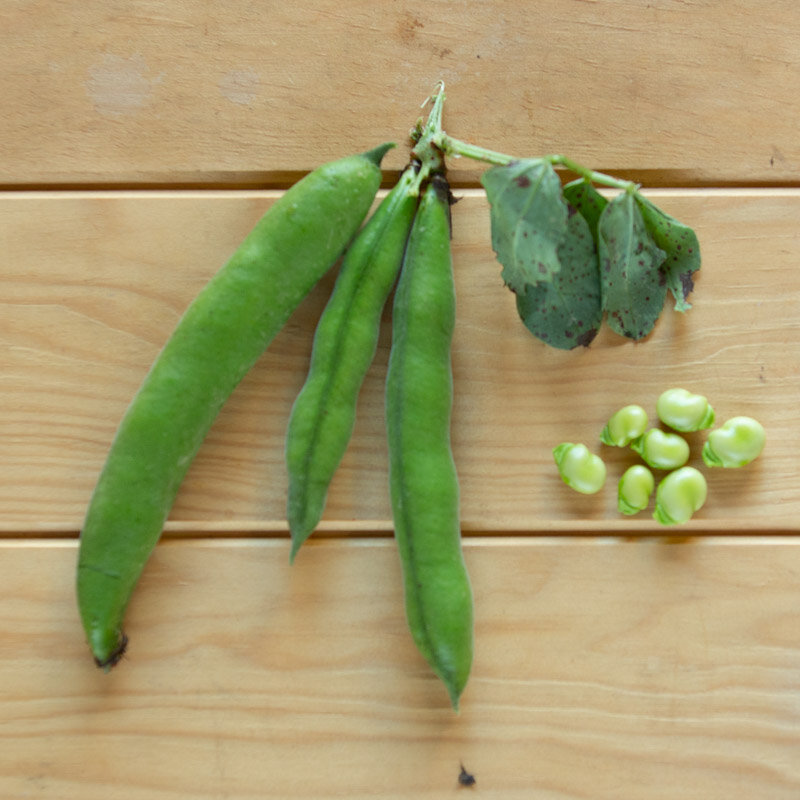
(625, 425)
(662, 450)
(579, 468)
(679, 495)
(736, 443)
(684, 411)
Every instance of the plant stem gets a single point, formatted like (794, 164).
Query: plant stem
(426, 149)
(591, 175)
(455, 147)
(433, 144)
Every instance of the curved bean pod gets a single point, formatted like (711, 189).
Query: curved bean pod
(423, 479)
(219, 337)
(345, 341)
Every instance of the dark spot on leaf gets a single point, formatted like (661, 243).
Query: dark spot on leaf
(523, 181)
(687, 283)
(585, 339)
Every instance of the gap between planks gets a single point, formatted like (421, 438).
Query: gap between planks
(180, 191)
(560, 530)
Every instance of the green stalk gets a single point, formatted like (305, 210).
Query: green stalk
(455, 147)
(433, 145)
(591, 175)
(427, 149)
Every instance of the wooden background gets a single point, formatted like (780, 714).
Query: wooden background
(139, 142)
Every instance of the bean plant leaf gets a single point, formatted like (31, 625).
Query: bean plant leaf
(583, 197)
(528, 220)
(680, 244)
(567, 312)
(633, 285)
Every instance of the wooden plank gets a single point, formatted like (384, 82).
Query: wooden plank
(92, 285)
(177, 90)
(603, 669)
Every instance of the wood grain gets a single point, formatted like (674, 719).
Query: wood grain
(92, 285)
(603, 669)
(671, 92)
(612, 661)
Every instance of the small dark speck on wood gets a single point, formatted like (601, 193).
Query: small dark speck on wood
(465, 778)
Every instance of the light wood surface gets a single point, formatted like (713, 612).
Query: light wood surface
(193, 91)
(603, 669)
(92, 298)
(139, 142)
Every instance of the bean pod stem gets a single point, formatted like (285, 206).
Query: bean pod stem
(219, 337)
(423, 480)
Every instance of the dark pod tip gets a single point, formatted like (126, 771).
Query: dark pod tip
(376, 154)
(114, 657)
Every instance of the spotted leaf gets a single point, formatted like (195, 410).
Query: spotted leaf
(633, 285)
(681, 246)
(566, 312)
(528, 221)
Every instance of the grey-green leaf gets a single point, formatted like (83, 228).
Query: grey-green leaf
(566, 313)
(528, 219)
(681, 246)
(633, 285)
(583, 197)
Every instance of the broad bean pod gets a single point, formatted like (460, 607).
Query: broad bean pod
(422, 474)
(219, 337)
(323, 415)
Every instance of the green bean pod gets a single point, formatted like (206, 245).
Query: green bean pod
(219, 337)
(345, 341)
(422, 475)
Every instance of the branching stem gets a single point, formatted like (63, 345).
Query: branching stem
(433, 144)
